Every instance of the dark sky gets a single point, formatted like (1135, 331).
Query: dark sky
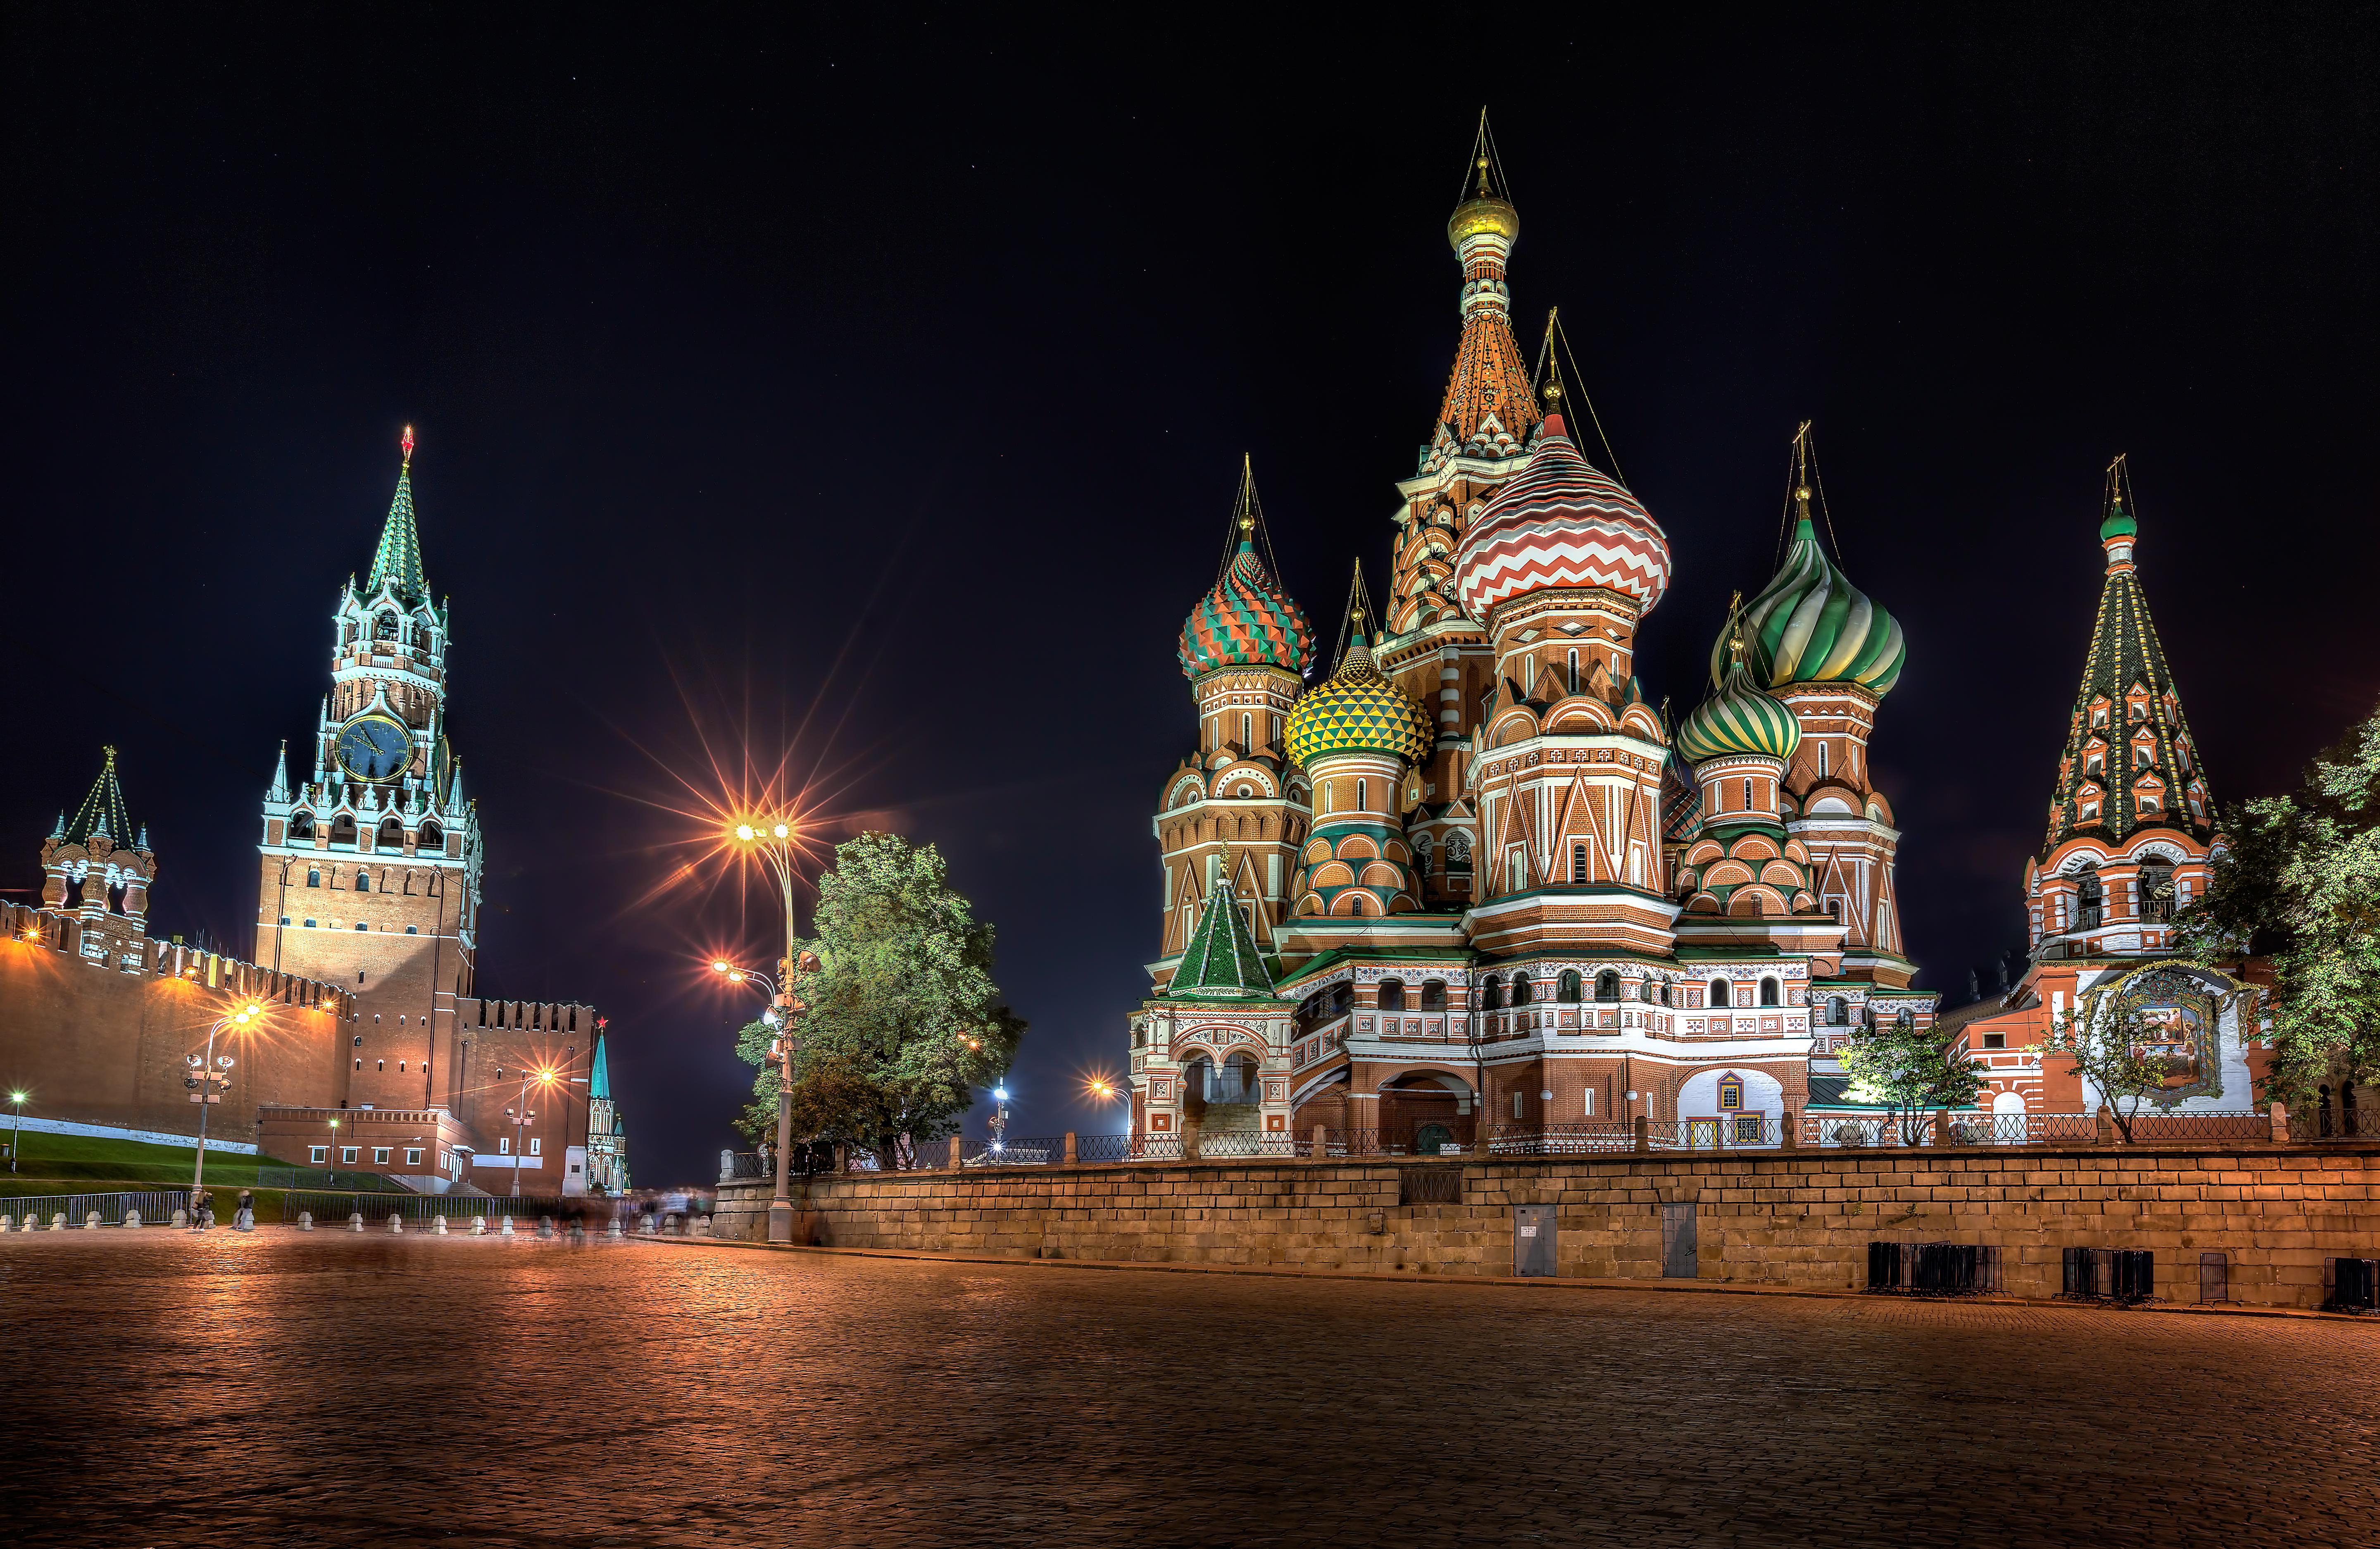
(888, 379)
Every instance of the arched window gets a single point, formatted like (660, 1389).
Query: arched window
(1342, 996)
(432, 836)
(313, 876)
(1904, 1020)
(1719, 995)
(301, 825)
(392, 836)
(1433, 994)
(343, 829)
(1606, 985)
(1838, 1011)
(2089, 900)
(1566, 987)
(1521, 989)
(385, 626)
(1771, 992)
(1363, 796)
(2156, 888)
(363, 885)
(1747, 796)
(1491, 994)
(1578, 863)
(1393, 994)
(1668, 993)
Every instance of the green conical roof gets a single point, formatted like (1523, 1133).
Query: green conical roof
(398, 560)
(1221, 958)
(599, 1077)
(101, 811)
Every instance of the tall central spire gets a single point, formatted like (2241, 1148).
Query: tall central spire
(1488, 389)
(398, 560)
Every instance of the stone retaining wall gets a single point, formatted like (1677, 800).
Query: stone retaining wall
(1786, 1218)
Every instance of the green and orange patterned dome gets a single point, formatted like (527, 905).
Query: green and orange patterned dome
(1356, 710)
(1246, 621)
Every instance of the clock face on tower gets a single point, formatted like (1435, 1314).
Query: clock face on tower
(374, 748)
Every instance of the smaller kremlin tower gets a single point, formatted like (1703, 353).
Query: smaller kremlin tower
(88, 856)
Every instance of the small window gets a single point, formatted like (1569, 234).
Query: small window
(1771, 992)
(379, 1156)
(380, 1065)
(301, 825)
(400, 1064)
(363, 881)
(504, 1145)
(362, 926)
(1730, 1096)
(1747, 1129)
(1516, 1105)
(284, 919)
(1566, 987)
(413, 930)
(359, 1064)
(1521, 989)
(534, 1145)
(314, 876)
(1578, 863)
(1363, 796)
(1838, 1011)
(1719, 995)
(318, 1154)
(1393, 994)
(1606, 985)
(1747, 796)
(309, 924)
(347, 1154)
(1996, 1040)
(1645, 992)
(413, 1156)
(1433, 994)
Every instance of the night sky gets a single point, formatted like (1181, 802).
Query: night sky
(878, 388)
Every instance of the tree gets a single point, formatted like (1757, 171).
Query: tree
(2298, 877)
(1910, 1070)
(901, 1018)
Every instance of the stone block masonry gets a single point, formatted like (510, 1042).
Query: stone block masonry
(1778, 1218)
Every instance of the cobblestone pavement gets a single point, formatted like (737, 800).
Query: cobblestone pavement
(290, 1391)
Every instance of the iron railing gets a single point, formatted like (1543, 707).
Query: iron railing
(2152, 1124)
(1932, 1268)
(332, 1209)
(156, 1207)
(2124, 1275)
(1033, 1150)
(2332, 1121)
(2351, 1285)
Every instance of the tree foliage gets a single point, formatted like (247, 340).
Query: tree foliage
(900, 1021)
(2115, 1045)
(1910, 1070)
(2298, 879)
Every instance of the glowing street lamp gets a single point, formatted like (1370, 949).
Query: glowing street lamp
(782, 1012)
(771, 838)
(16, 1127)
(210, 1078)
(333, 1151)
(522, 1117)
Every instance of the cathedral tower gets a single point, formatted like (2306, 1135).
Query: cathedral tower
(2130, 820)
(1818, 643)
(1234, 811)
(370, 871)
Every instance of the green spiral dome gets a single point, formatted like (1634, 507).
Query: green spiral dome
(1738, 718)
(1811, 625)
(1356, 710)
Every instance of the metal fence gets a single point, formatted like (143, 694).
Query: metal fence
(29, 1212)
(334, 1209)
(2238, 1125)
(1033, 1150)
(2125, 1274)
(2351, 1285)
(1932, 1268)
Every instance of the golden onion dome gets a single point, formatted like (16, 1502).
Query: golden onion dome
(1476, 216)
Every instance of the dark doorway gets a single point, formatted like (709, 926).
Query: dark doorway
(1677, 1246)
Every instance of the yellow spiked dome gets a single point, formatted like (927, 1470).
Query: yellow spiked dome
(1356, 710)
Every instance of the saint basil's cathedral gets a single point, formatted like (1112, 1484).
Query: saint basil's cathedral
(1473, 875)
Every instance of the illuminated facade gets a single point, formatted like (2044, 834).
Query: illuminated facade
(1473, 875)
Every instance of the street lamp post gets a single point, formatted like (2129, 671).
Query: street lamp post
(771, 840)
(15, 1128)
(330, 1153)
(783, 1010)
(522, 1117)
(212, 1076)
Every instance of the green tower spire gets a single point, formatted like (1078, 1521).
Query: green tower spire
(399, 557)
(1221, 958)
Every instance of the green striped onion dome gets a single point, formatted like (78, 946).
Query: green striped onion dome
(1356, 710)
(1738, 718)
(1246, 621)
(1812, 626)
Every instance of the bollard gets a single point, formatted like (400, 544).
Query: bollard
(645, 1224)
(438, 1225)
(1321, 1143)
(701, 1225)
(91, 1222)
(1789, 1134)
(58, 1222)
(958, 1152)
(243, 1220)
(7, 1224)
(508, 1226)
(577, 1232)
(132, 1218)
(180, 1220)
(545, 1226)
(1643, 1128)
(395, 1223)
(356, 1221)
(479, 1225)
(1942, 1127)
(2104, 1130)
(1073, 1155)
(2280, 1122)
(615, 1230)
(305, 1220)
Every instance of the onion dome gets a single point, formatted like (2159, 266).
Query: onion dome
(1809, 625)
(1356, 710)
(1560, 522)
(1248, 620)
(1738, 718)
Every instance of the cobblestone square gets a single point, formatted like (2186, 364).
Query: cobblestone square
(289, 1390)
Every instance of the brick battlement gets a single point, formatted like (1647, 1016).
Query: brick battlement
(526, 1015)
(63, 933)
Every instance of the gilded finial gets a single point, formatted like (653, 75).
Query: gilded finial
(1482, 174)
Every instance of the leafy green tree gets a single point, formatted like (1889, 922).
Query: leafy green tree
(901, 1019)
(2298, 879)
(1910, 1070)
(2113, 1045)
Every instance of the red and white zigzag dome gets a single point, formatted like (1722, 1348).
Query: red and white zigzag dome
(1560, 524)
